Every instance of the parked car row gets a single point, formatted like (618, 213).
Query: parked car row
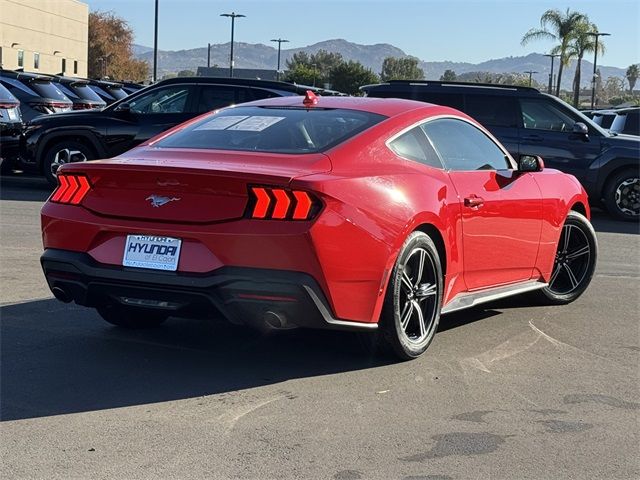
(529, 122)
(25, 96)
(617, 120)
(50, 141)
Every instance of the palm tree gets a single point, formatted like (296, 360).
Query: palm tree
(557, 26)
(581, 44)
(632, 76)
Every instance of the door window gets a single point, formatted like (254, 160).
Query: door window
(543, 115)
(413, 145)
(492, 110)
(462, 146)
(163, 100)
(213, 97)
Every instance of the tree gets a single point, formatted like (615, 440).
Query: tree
(347, 77)
(406, 68)
(110, 49)
(581, 44)
(302, 74)
(316, 66)
(186, 73)
(560, 27)
(448, 76)
(632, 76)
(613, 87)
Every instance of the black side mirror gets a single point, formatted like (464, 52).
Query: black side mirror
(123, 107)
(530, 163)
(580, 128)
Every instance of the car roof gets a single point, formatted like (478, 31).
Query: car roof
(440, 86)
(383, 106)
(246, 82)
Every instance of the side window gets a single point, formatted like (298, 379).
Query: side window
(213, 97)
(492, 111)
(543, 115)
(163, 100)
(260, 93)
(462, 146)
(413, 145)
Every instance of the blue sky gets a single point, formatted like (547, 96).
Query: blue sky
(433, 30)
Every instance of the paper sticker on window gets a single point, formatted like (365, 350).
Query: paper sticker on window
(256, 123)
(221, 123)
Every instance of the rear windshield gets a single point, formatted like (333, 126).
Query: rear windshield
(101, 92)
(84, 92)
(48, 90)
(117, 92)
(277, 130)
(6, 94)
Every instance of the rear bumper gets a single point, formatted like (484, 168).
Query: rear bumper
(246, 296)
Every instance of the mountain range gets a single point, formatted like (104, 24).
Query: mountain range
(250, 55)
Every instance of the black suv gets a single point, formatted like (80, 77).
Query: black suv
(627, 121)
(529, 122)
(51, 141)
(10, 128)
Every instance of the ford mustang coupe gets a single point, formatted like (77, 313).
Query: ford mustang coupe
(326, 212)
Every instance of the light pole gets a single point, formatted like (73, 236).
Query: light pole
(208, 55)
(314, 65)
(280, 42)
(595, 60)
(155, 47)
(530, 72)
(552, 56)
(233, 16)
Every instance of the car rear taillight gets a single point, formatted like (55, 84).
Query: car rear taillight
(50, 107)
(71, 189)
(9, 105)
(82, 106)
(273, 203)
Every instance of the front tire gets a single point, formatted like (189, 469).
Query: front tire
(66, 151)
(132, 318)
(575, 261)
(622, 195)
(411, 312)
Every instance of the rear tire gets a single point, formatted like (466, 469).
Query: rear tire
(65, 151)
(411, 311)
(622, 195)
(131, 318)
(575, 261)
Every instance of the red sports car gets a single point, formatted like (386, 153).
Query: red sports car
(326, 212)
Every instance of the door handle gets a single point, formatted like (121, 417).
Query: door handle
(533, 138)
(473, 201)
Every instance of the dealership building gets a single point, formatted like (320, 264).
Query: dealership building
(44, 36)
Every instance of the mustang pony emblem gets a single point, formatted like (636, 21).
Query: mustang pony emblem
(158, 200)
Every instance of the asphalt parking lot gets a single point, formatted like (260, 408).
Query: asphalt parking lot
(505, 392)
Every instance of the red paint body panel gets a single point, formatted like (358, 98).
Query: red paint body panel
(372, 200)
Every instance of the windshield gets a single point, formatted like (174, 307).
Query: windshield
(117, 92)
(278, 130)
(48, 90)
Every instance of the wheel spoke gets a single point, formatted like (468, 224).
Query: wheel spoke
(572, 277)
(567, 236)
(407, 281)
(555, 273)
(423, 327)
(426, 291)
(421, 259)
(578, 253)
(405, 316)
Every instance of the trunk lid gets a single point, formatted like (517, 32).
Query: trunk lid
(186, 186)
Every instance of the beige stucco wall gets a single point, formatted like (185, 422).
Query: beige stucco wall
(55, 29)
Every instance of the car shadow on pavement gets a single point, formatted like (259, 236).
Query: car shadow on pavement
(604, 223)
(59, 359)
(24, 188)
